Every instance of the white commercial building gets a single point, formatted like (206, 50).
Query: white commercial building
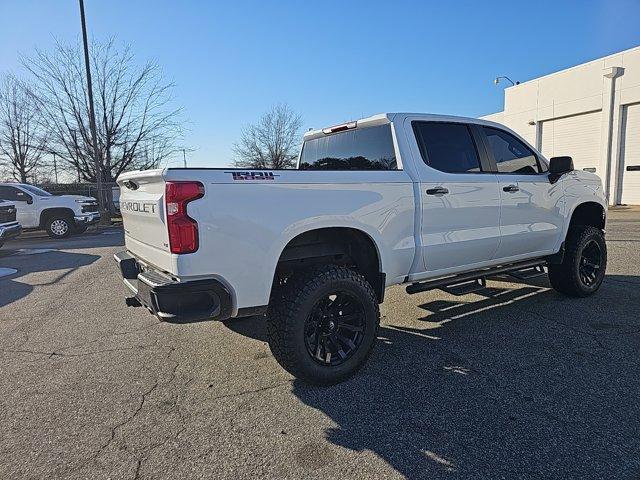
(590, 112)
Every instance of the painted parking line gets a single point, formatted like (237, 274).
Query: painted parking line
(5, 272)
(33, 251)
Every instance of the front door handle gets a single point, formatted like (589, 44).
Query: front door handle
(437, 191)
(510, 188)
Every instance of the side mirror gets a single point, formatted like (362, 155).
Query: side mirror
(29, 201)
(559, 166)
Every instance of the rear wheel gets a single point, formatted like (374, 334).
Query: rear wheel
(322, 327)
(583, 267)
(59, 226)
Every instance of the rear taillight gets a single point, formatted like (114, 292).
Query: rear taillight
(183, 230)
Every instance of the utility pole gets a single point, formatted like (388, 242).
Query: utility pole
(184, 157)
(105, 216)
(55, 167)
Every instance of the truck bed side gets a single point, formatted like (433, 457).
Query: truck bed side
(245, 222)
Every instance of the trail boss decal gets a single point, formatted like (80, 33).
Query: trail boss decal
(253, 175)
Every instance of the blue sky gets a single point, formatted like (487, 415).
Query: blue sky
(330, 61)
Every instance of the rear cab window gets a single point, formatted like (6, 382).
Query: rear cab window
(367, 148)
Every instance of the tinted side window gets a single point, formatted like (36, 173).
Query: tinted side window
(8, 193)
(447, 147)
(512, 156)
(359, 149)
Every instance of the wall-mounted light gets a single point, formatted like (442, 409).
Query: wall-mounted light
(497, 80)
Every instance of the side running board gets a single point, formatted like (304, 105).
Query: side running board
(528, 273)
(464, 283)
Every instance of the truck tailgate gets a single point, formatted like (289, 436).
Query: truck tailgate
(143, 217)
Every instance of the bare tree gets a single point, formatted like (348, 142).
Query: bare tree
(22, 141)
(272, 142)
(137, 127)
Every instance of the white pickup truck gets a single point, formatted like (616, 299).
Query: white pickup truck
(59, 215)
(9, 227)
(423, 200)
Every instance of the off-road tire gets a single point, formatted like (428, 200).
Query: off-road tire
(565, 277)
(55, 229)
(292, 304)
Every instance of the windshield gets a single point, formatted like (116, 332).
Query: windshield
(36, 191)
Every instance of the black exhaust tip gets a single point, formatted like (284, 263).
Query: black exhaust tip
(132, 302)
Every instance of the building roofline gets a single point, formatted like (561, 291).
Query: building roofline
(574, 67)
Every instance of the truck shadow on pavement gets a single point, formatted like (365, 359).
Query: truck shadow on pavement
(40, 255)
(524, 383)
(57, 263)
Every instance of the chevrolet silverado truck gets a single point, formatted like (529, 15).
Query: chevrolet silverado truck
(59, 215)
(9, 227)
(428, 201)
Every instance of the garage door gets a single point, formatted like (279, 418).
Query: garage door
(577, 136)
(630, 155)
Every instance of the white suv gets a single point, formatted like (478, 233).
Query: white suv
(59, 215)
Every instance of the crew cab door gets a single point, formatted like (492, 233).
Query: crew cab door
(531, 220)
(25, 205)
(460, 197)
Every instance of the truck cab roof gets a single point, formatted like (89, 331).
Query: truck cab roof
(382, 118)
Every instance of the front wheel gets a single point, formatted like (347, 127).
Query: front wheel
(583, 267)
(59, 226)
(322, 327)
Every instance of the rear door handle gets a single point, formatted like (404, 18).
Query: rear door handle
(511, 188)
(437, 191)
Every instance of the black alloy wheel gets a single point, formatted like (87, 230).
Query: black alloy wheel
(335, 328)
(590, 263)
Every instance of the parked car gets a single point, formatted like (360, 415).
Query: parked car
(59, 215)
(9, 227)
(432, 202)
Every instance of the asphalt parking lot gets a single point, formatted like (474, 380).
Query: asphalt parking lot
(516, 382)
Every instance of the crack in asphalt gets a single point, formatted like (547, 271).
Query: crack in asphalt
(592, 335)
(114, 429)
(109, 335)
(147, 451)
(85, 354)
(248, 392)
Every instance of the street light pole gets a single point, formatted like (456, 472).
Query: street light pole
(105, 216)
(184, 157)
